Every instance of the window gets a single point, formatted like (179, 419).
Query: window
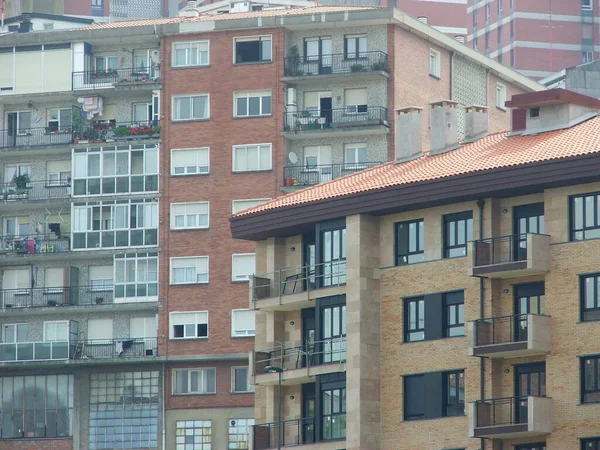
(240, 205)
(410, 245)
(99, 329)
(23, 119)
(191, 107)
(56, 331)
(414, 319)
(488, 12)
(105, 63)
(333, 413)
(454, 387)
(36, 406)
(240, 380)
(192, 270)
(435, 63)
(355, 156)
(355, 100)
(585, 217)
(124, 410)
(189, 215)
(101, 278)
(458, 230)
(586, 4)
(242, 322)
(590, 297)
(96, 3)
(48, 26)
(195, 381)
(454, 314)
(54, 280)
(247, 158)
(186, 54)
(414, 397)
(59, 120)
(590, 379)
(586, 444)
(190, 161)
(534, 113)
(59, 173)
(136, 277)
(242, 266)
(189, 325)
(356, 47)
(239, 433)
(255, 49)
(193, 435)
(252, 103)
(501, 96)
(500, 6)
(587, 56)
(14, 332)
(141, 113)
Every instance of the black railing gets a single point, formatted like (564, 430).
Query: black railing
(293, 432)
(501, 330)
(33, 137)
(34, 243)
(102, 132)
(115, 348)
(91, 79)
(57, 296)
(338, 118)
(500, 250)
(309, 175)
(501, 411)
(35, 190)
(338, 63)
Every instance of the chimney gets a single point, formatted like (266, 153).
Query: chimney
(25, 26)
(443, 120)
(476, 123)
(408, 133)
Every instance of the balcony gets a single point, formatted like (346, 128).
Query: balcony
(56, 296)
(511, 256)
(309, 175)
(307, 69)
(351, 121)
(299, 433)
(35, 137)
(117, 78)
(32, 244)
(300, 364)
(35, 351)
(35, 191)
(511, 417)
(297, 288)
(510, 336)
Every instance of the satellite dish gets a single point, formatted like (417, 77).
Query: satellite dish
(293, 157)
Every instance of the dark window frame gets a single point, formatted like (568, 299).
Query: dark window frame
(594, 441)
(534, 112)
(593, 313)
(595, 382)
(341, 412)
(403, 255)
(467, 218)
(258, 40)
(452, 312)
(420, 312)
(453, 408)
(417, 415)
(584, 229)
(357, 54)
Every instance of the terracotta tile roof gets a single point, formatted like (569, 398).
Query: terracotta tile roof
(492, 152)
(229, 16)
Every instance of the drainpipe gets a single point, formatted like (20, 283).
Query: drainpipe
(481, 205)
(164, 398)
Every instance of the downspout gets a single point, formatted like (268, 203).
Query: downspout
(164, 397)
(452, 76)
(481, 205)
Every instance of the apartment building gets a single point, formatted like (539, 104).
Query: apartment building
(536, 38)
(444, 300)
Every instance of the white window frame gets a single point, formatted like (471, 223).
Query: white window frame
(59, 178)
(193, 264)
(189, 49)
(587, 7)
(435, 63)
(266, 37)
(195, 323)
(15, 332)
(106, 284)
(204, 380)
(248, 95)
(141, 264)
(186, 215)
(236, 148)
(199, 430)
(236, 432)
(190, 97)
(234, 330)
(250, 386)
(58, 110)
(55, 323)
(255, 202)
(105, 58)
(354, 148)
(587, 56)
(235, 277)
(501, 96)
(197, 167)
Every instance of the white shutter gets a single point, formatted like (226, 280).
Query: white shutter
(242, 321)
(142, 327)
(243, 266)
(311, 100)
(16, 279)
(185, 158)
(100, 329)
(240, 205)
(189, 317)
(58, 166)
(55, 277)
(325, 154)
(101, 272)
(353, 97)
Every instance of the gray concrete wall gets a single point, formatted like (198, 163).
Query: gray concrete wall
(584, 79)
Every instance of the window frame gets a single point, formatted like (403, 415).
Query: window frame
(587, 5)
(420, 231)
(501, 96)
(587, 56)
(354, 148)
(197, 150)
(189, 372)
(234, 329)
(142, 263)
(357, 54)
(190, 97)
(446, 403)
(171, 273)
(235, 148)
(249, 385)
(234, 434)
(435, 63)
(333, 413)
(573, 214)
(465, 216)
(234, 277)
(595, 359)
(420, 311)
(174, 216)
(448, 303)
(248, 95)
(582, 297)
(586, 441)
(188, 50)
(194, 431)
(534, 113)
(259, 38)
(415, 416)
(257, 200)
(195, 323)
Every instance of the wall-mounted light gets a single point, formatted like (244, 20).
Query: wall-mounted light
(292, 322)
(506, 370)
(293, 249)
(505, 211)
(505, 291)
(292, 397)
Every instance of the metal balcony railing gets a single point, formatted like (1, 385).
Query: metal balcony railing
(115, 348)
(313, 354)
(309, 175)
(34, 137)
(500, 250)
(103, 132)
(299, 279)
(501, 411)
(34, 243)
(35, 191)
(501, 330)
(56, 296)
(339, 63)
(34, 351)
(339, 118)
(92, 79)
(293, 433)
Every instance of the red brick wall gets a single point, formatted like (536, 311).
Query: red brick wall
(37, 444)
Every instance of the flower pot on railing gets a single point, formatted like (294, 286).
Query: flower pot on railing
(99, 300)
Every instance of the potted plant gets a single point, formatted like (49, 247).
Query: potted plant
(99, 300)
(21, 181)
(379, 66)
(52, 303)
(293, 62)
(357, 68)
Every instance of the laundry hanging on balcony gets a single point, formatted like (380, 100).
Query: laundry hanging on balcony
(92, 106)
